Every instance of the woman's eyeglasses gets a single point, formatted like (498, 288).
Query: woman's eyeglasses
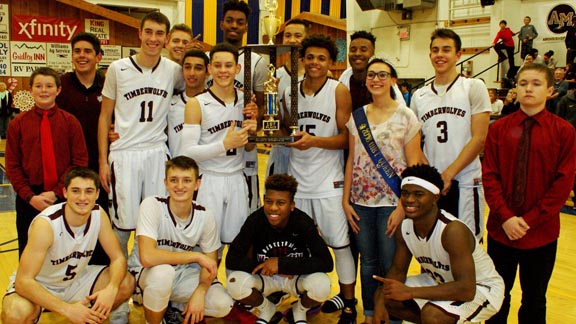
(382, 75)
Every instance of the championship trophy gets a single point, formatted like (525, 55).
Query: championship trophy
(271, 22)
(271, 124)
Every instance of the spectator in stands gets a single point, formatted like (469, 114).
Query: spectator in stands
(570, 42)
(505, 42)
(560, 90)
(526, 35)
(510, 103)
(549, 60)
(496, 103)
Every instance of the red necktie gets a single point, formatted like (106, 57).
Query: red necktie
(48, 158)
(521, 166)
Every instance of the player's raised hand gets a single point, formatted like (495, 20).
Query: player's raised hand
(235, 139)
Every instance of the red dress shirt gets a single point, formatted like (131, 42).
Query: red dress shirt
(24, 152)
(551, 169)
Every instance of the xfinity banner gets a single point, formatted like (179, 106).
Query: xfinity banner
(44, 29)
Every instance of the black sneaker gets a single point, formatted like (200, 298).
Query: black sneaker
(335, 304)
(173, 315)
(348, 316)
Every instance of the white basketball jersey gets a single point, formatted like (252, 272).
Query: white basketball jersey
(156, 221)
(284, 83)
(446, 123)
(429, 252)
(319, 171)
(176, 121)
(216, 119)
(70, 253)
(142, 98)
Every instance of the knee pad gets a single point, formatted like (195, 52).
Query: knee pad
(345, 266)
(316, 286)
(157, 285)
(240, 284)
(218, 301)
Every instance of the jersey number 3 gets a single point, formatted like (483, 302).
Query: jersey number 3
(443, 127)
(143, 111)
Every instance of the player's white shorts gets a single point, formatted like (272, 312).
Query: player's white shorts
(226, 195)
(316, 285)
(330, 218)
(278, 160)
(77, 291)
(471, 208)
(135, 175)
(251, 172)
(186, 279)
(477, 310)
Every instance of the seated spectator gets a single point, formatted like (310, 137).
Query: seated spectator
(560, 90)
(279, 249)
(549, 60)
(510, 103)
(496, 103)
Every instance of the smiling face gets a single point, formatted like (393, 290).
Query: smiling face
(194, 72)
(234, 26)
(294, 34)
(181, 184)
(153, 36)
(223, 68)
(277, 207)
(84, 57)
(81, 195)
(44, 91)
(379, 86)
(359, 52)
(417, 201)
(176, 46)
(443, 55)
(316, 62)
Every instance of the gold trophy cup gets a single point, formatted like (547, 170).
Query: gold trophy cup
(271, 22)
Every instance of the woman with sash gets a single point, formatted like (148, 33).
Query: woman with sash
(384, 140)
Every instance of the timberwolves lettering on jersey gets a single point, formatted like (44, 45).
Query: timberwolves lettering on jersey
(142, 91)
(443, 110)
(223, 126)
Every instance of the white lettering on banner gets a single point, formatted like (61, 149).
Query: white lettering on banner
(33, 28)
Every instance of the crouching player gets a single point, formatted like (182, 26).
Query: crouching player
(163, 261)
(54, 273)
(279, 249)
(459, 282)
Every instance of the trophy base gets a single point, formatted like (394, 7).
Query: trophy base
(272, 139)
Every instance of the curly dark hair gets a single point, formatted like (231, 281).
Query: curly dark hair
(236, 5)
(322, 41)
(282, 182)
(365, 35)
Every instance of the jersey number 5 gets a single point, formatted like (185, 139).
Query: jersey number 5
(70, 274)
(143, 111)
(443, 127)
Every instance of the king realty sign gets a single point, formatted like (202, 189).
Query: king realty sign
(44, 29)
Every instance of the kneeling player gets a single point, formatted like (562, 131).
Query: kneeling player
(459, 282)
(54, 273)
(164, 263)
(279, 249)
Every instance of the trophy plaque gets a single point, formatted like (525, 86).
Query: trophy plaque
(271, 119)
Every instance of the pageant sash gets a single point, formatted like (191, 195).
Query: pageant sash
(379, 160)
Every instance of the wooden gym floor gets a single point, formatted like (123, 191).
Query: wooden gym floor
(561, 291)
